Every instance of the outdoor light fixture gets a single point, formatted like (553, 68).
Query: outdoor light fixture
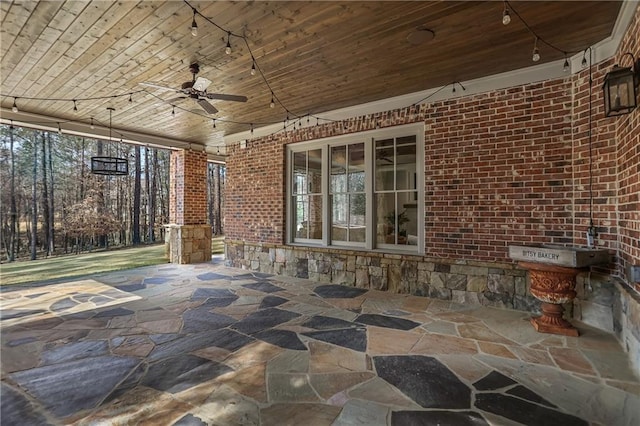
(14, 108)
(194, 25)
(109, 166)
(227, 49)
(535, 56)
(506, 18)
(621, 89)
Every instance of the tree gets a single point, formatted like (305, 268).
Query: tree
(34, 202)
(153, 196)
(87, 220)
(13, 212)
(136, 198)
(52, 221)
(45, 198)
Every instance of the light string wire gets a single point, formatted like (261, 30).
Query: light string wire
(536, 35)
(590, 140)
(289, 120)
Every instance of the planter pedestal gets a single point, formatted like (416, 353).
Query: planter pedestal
(553, 270)
(553, 286)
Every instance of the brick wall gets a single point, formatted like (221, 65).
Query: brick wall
(627, 137)
(510, 166)
(188, 188)
(498, 171)
(255, 191)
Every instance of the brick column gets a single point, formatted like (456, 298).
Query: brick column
(188, 237)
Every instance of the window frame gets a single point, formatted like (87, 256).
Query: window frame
(368, 138)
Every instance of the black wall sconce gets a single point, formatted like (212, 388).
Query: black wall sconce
(621, 89)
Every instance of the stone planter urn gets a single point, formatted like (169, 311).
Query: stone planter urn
(552, 271)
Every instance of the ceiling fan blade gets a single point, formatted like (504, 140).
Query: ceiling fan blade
(201, 84)
(223, 97)
(207, 106)
(176, 99)
(157, 86)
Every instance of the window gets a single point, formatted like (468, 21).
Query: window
(359, 191)
(395, 190)
(348, 197)
(307, 194)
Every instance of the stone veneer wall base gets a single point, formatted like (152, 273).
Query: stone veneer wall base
(188, 243)
(601, 302)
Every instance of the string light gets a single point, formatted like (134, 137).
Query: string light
(251, 128)
(130, 97)
(227, 49)
(507, 7)
(535, 57)
(214, 123)
(173, 110)
(14, 108)
(75, 107)
(253, 66)
(584, 59)
(92, 125)
(506, 18)
(194, 24)
(536, 52)
(59, 129)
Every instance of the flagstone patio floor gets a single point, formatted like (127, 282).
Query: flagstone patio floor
(211, 345)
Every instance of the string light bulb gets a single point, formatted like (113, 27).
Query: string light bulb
(566, 67)
(251, 128)
(14, 108)
(194, 25)
(75, 107)
(130, 97)
(272, 104)
(584, 59)
(253, 67)
(59, 129)
(506, 17)
(214, 123)
(173, 110)
(227, 49)
(535, 57)
(92, 125)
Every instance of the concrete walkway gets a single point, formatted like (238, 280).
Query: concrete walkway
(206, 344)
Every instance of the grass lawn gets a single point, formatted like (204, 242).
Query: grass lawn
(88, 263)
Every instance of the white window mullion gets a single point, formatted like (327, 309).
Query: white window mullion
(289, 233)
(369, 181)
(326, 205)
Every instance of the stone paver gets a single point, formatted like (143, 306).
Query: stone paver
(210, 345)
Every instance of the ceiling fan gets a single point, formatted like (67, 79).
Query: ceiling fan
(197, 89)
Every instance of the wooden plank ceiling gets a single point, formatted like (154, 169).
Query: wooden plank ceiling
(316, 56)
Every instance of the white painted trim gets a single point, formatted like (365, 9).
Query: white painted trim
(368, 138)
(601, 51)
(43, 122)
